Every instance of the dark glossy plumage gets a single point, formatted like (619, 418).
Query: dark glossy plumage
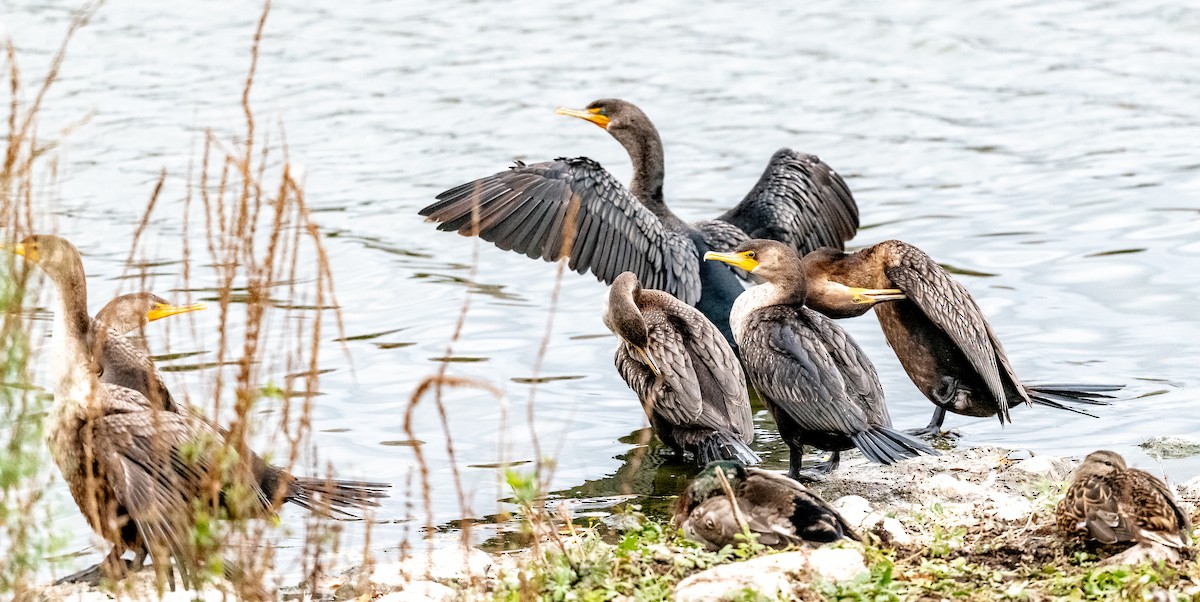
(574, 208)
(816, 381)
(697, 402)
(938, 332)
(1111, 504)
(779, 510)
(138, 472)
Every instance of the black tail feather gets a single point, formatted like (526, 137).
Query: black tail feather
(725, 447)
(884, 445)
(339, 499)
(1055, 395)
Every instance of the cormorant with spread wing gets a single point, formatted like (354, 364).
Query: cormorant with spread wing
(574, 208)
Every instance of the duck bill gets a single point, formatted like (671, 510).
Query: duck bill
(871, 296)
(592, 115)
(649, 360)
(164, 310)
(737, 260)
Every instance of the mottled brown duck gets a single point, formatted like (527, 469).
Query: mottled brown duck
(936, 329)
(778, 510)
(574, 208)
(818, 384)
(1110, 503)
(684, 372)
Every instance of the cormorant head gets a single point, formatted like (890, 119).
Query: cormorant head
(623, 120)
(624, 318)
(1100, 463)
(770, 260)
(55, 255)
(824, 271)
(130, 312)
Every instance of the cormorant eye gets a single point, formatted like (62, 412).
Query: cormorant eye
(750, 254)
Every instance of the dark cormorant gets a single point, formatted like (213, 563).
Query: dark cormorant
(818, 384)
(1111, 504)
(938, 332)
(779, 510)
(685, 374)
(574, 208)
(136, 472)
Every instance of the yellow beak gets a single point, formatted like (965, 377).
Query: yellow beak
(649, 360)
(744, 260)
(163, 310)
(872, 296)
(29, 253)
(592, 115)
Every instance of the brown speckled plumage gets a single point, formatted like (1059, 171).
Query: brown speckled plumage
(779, 510)
(698, 402)
(939, 334)
(1112, 504)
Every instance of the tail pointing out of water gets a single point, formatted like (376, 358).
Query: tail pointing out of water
(884, 445)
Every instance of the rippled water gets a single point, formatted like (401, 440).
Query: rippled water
(1045, 149)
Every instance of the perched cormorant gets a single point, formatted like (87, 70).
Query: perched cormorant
(685, 374)
(779, 510)
(138, 473)
(816, 381)
(124, 362)
(574, 208)
(1111, 504)
(938, 332)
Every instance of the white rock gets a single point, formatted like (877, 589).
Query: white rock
(207, 595)
(447, 564)
(1171, 446)
(421, 591)
(1056, 468)
(854, 508)
(1010, 508)
(837, 564)
(895, 529)
(770, 576)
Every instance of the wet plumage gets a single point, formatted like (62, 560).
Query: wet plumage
(816, 381)
(135, 471)
(938, 332)
(779, 510)
(574, 208)
(1112, 504)
(683, 371)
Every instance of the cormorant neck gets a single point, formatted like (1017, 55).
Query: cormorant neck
(74, 380)
(646, 153)
(757, 297)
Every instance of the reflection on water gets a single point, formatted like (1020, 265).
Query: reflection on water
(1033, 146)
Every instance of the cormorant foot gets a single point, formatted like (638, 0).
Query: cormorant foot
(810, 475)
(934, 432)
(94, 575)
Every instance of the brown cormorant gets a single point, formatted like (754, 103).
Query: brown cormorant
(574, 208)
(138, 473)
(779, 510)
(122, 361)
(684, 372)
(938, 332)
(1112, 504)
(816, 381)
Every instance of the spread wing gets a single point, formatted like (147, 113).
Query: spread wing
(948, 305)
(800, 201)
(572, 208)
(789, 363)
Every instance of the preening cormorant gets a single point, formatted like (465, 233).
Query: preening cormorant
(684, 372)
(938, 332)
